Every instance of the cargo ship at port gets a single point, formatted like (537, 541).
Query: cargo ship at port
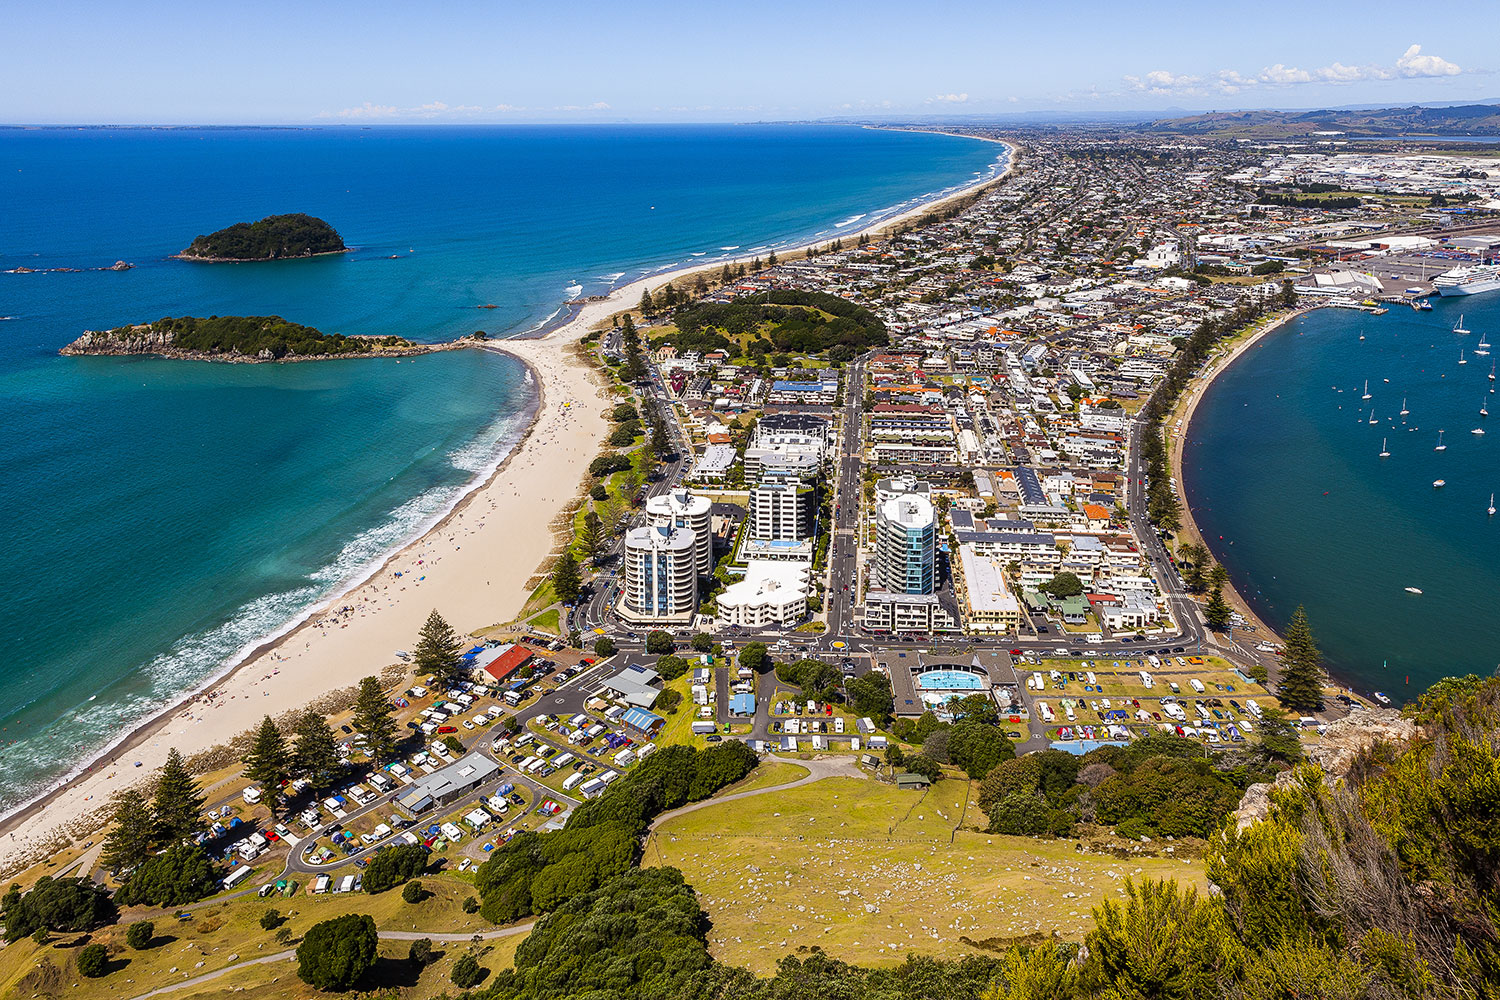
(1468, 280)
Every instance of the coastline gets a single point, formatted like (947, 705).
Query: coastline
(343, 636)
(1184, 412)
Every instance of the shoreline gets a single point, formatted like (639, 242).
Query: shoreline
(1184, 412)
(558, 376)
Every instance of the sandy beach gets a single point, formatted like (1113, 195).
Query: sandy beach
(473, 567)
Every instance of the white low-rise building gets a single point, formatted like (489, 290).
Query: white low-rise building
(770, 593)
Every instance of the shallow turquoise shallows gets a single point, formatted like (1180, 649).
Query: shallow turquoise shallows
(158, 516)
(1284, 474)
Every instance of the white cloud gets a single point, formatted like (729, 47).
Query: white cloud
(948, 99)
(1413, 63)
(596, 106)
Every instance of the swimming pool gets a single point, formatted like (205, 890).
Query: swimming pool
(950, 680)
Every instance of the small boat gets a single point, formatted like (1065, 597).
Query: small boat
(1459, 326)
(1372, 417)
(1438, 484)
(1413, 590)
(1367, 390)
(1361, 336)
(1384, 452)
(1461, 359)
(1382, 697)
(1484, 410)
(1482, 347)
(1477, 430)
(1404, 410)
(1492, 373)
(1440, 445)
(1492, 505)
(1424, 305)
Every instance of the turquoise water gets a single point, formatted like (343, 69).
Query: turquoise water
(161, 516)
(1283, 474)
(949, 680)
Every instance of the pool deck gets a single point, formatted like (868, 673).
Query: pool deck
(998, 666)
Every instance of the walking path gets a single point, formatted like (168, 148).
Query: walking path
(818, 768)
(290, 954)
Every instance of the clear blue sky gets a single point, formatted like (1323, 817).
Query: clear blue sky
(295, 62)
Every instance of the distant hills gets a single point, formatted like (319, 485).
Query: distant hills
(1463, 119)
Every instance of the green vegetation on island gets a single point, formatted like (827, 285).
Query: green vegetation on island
(259, 338)
(275, 237)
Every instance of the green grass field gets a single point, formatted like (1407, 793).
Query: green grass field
(871, 874)
(225, 934)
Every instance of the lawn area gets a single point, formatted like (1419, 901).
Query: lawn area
(767, 775)
(679, 727)
(212, 935)
(870, 874)
(547, 621)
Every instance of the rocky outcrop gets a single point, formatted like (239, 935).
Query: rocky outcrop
(1341, 742)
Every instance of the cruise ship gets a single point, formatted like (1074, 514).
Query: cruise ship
(1468, 280)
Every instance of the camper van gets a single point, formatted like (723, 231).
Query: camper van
(1197, 685)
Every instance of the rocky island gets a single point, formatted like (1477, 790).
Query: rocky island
(276, 237)
(245, 339)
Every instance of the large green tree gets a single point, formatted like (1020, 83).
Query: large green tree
(1217, 611)
(269, 762)
(180, 875)
(316, 756)
(372, 717)
(178, 805)
(1301, 683)
(134, 834)
(62, 904)
(438, 649)
(566, 582)
(336, 953)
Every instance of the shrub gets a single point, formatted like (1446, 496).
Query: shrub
(925, 766)
(63, 904)
(671, 667)
(337, 952)
(93, 961)
(470, 904)
(421, 951)
(271, 919)
(467, 972)
(604, 646)
(393, 866)
(140, 934)
(412, 893)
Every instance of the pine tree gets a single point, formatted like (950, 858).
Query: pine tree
(179, 804)
(771, 259)
(565, 580)
(1218, 576)
(316, 756)
(1301, 687)
(269, 762)
(372, 717)
(627, 329)
(1217, 612)
(591, 536)
(726, 275)
(437, 650)
(646, 304)
(134, 836)
(660, 443)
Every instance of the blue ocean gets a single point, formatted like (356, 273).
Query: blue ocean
(160, 517)
(1283, 472)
